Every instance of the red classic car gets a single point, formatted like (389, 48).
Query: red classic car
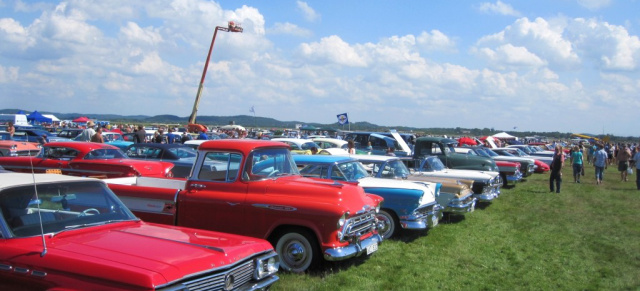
(70, 233)
(14, 148)
(86, 159)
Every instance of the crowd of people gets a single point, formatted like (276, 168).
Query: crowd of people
(624, 156)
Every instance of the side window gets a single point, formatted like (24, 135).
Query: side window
(313, 171)
(220, 167)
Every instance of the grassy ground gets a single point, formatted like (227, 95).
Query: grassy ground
(585, 238)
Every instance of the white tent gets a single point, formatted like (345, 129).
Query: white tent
(233, 127)
(504, 135)
(53, 117)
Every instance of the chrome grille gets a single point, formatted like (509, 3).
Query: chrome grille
(361, 224)
(241, 275)
(425, 209)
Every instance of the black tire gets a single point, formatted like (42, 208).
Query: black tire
(504, 180)
(390, 223)
(297, 250)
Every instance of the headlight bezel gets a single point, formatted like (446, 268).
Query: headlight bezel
(266, 265)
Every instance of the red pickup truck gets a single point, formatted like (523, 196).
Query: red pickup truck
(253, 188)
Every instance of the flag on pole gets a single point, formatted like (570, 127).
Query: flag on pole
(252, 110)
(343, 119)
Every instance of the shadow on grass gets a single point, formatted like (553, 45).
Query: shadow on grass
(510, 186)
(482, 205)
(326, 268)
(449, 218)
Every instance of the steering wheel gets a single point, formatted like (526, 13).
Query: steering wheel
(89, 211)
(273, 173)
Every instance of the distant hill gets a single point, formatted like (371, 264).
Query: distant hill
(263, 122)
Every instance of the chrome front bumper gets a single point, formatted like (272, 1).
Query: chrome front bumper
(352, 250)
(469, 205)
(515, 178)
(422, 221)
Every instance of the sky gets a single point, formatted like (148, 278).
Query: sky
(544, 65)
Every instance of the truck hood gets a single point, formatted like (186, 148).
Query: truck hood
(138, 253)
(348, 194)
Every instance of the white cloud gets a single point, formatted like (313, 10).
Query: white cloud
(135, 34)
(594, 4)
(436, 41)
(289, 28)
(609, 46)
(334, 50)
(9, 74)
(309, 13)
(508, 56)
(539, 38)
(498, 8)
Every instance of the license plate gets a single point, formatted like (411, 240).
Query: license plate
(372, 248)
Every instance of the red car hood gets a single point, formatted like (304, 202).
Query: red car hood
(143, 254)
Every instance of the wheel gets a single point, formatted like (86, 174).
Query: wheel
(297, 251)
(389, 223)
(88, 211)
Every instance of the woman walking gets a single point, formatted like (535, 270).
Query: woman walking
(556, 169)
(576, 163)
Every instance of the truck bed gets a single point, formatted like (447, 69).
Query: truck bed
(176, 184)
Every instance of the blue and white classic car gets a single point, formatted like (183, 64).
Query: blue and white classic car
(406, 205)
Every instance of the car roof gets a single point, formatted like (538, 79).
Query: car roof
(159, 145)
(376, 158)
(321, 159)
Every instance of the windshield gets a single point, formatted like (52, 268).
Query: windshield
(390, 169)
(481, 152)
(349, 171)
(183, 152)
(112, 137)
(308, 145)
(105, 154)
(267, 163)
(525, 150)
(61, 206)
(490, 152)
(431, 164)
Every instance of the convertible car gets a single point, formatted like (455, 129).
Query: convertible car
(70, 233)
(86, 159)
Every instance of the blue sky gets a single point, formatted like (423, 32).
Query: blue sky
(563, 65)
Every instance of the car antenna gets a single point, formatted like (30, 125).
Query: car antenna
(35, 188)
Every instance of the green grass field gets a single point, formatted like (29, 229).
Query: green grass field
(585, 238)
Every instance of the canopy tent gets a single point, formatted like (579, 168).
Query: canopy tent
(504, 135)
(37, 117)
(465, 140)
(233, 127)
(53, 117)
(81, 119)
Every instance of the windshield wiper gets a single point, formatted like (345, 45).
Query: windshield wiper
(76, 226)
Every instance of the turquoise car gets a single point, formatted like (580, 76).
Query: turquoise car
(406, 205)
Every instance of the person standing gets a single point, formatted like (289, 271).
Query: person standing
(97, 137)
(636, 160)
(556, 169)
(623, 157)
(171, 137)
(140, 135)
(600, 158)
(351, 147)
(11, 129)
(576, 163)
(202, 135)
(87, 133)
(160, 137)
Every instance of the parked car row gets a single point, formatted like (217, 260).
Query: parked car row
(304, 208)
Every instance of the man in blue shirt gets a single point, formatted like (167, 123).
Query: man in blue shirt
(202, 135)
(600, 162)
(171, 137)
